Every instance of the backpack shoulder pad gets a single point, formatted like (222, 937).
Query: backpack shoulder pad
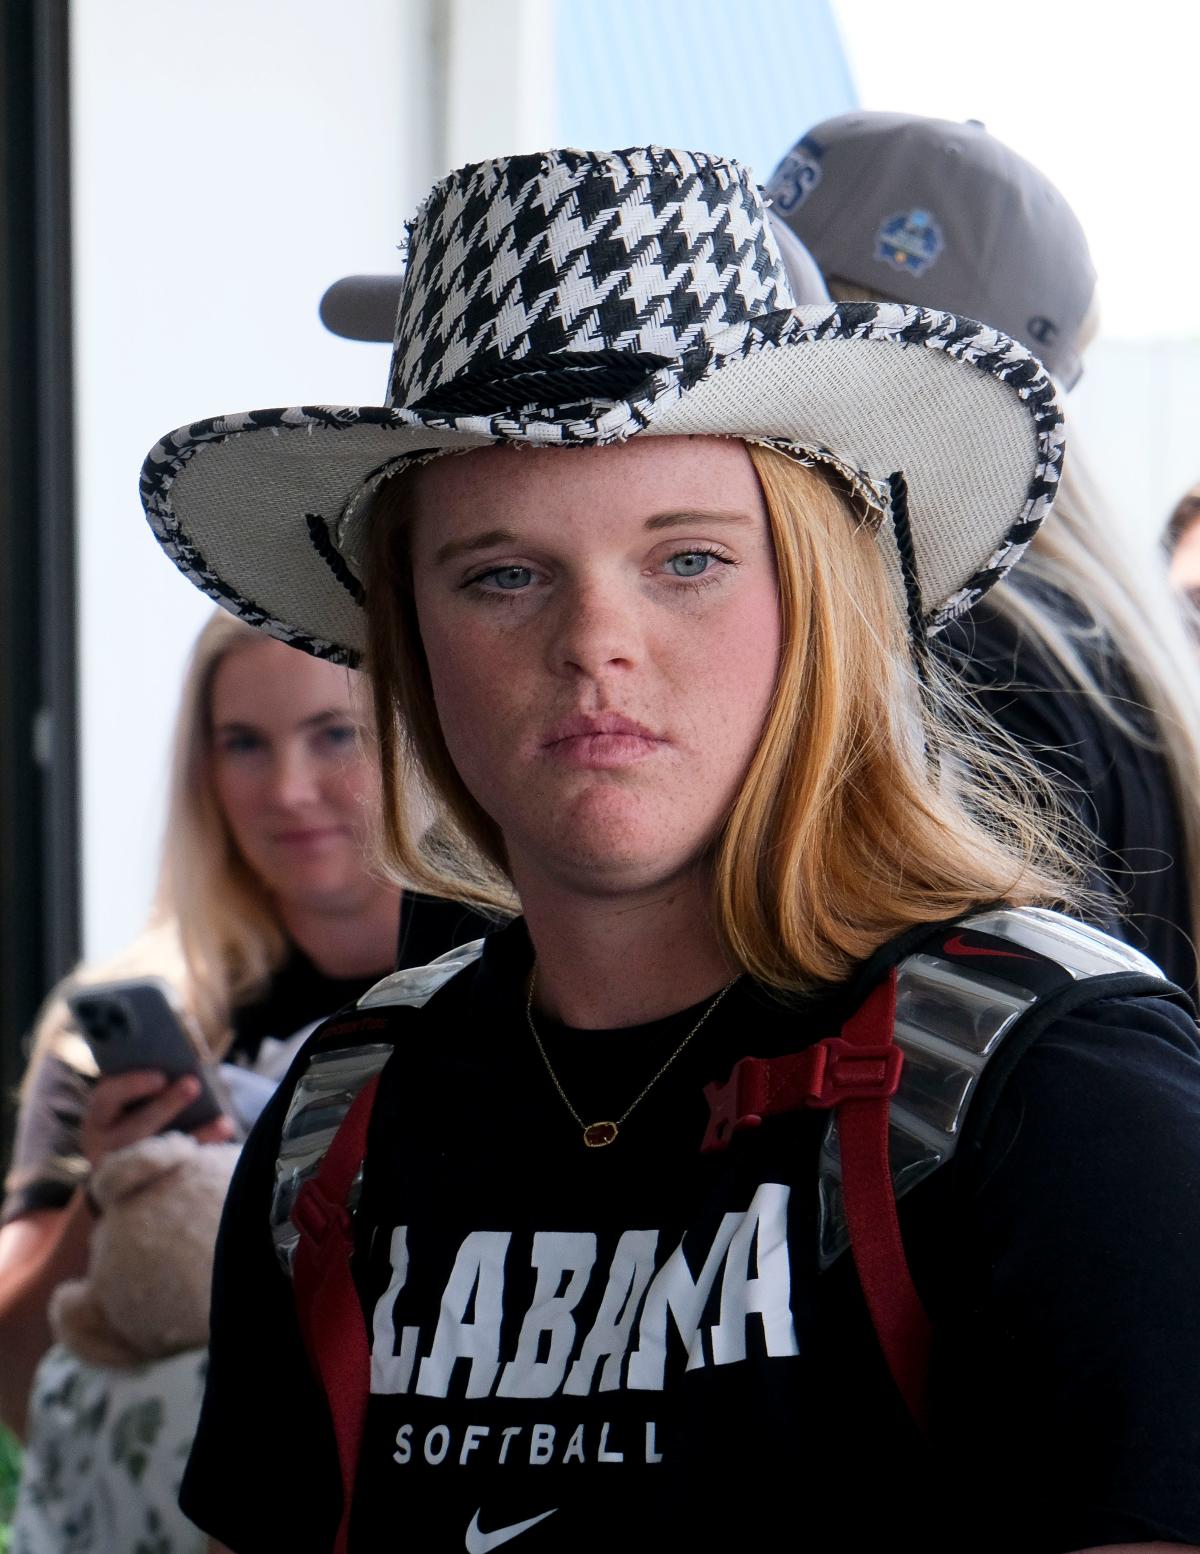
(959, 997)
(337, 1069)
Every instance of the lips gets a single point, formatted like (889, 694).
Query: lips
(306, 837)
(582, 725)
(601, 741)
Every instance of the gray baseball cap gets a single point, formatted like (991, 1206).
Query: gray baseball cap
(944, 216)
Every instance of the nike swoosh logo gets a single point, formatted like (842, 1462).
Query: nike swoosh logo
(479, 1542)
(956, 946)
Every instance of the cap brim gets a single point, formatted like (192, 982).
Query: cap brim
(362, 307)
(263, 511)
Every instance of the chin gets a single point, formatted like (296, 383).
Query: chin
(314, 889)
(615, 860)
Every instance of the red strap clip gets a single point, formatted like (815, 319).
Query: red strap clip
(822, 1076)
(739, 1103)
(849, 1072)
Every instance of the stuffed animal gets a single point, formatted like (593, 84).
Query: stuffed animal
(146, 1293)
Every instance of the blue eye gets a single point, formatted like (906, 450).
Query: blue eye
(510, 580)
(339, 734)
(691, 563)
(512, 577)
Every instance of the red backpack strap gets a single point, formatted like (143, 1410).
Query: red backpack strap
(857, 1072)
(876, 1245)
(327, 1303)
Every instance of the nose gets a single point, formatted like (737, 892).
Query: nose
(294, 781)
(597, 631)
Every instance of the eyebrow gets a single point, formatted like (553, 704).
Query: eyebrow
(695, 515)
(483, 541)
(240, 726)
(496, 537)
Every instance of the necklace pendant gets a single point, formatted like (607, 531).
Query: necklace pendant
(598, 1134)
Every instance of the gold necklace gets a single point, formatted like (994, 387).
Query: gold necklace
(596, 1135)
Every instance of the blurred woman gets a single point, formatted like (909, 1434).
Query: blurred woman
(269, 915)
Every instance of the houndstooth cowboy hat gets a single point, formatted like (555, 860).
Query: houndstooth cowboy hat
(578, 297)
(364, 307)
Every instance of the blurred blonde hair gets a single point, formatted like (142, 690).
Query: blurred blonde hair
(213, 932)
(1135, 615)
(844, 832)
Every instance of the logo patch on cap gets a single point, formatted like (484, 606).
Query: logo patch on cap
(911, 241)
(1042, 329)
(796, 176)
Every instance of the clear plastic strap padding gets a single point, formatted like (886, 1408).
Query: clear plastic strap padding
(326, 1089)
(416, 985)
(949, 1022)
(321, 1099)
(1079, 949)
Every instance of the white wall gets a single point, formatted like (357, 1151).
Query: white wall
(501, 86)
(1101, 98)
(230, 159)
(1135, 417)
(227, 167)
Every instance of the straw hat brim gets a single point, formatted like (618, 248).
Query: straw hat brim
(265, 511)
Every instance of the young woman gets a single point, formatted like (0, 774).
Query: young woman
(654, 640)
(269, 916)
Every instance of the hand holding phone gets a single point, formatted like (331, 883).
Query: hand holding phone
(136, 1034)
(128, 1108)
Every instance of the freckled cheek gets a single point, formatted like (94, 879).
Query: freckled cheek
(466, 657)
(473, 688)
(728, 677)
(753, 673)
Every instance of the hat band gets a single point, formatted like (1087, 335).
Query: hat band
(558, 380)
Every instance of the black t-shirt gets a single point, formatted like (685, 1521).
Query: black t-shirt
(1118, 786)
(634, 1347)
(46, 1165)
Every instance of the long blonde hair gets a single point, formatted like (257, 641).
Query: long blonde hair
(844, 832)
(1135, 616)
(213, 932)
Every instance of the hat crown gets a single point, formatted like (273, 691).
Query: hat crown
(648, 252)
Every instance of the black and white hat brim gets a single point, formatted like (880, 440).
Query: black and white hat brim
(266, 512)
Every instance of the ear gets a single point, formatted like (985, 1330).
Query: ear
(129, 1170)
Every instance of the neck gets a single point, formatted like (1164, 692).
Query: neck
(605, 961)
(347, 938)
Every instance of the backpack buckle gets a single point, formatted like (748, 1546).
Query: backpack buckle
(848, 1071)
(820, 1077)
(738, 1103)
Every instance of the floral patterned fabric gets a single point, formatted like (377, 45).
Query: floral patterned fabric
(106, 1454)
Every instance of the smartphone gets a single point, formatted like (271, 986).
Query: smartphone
(137, 1024)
